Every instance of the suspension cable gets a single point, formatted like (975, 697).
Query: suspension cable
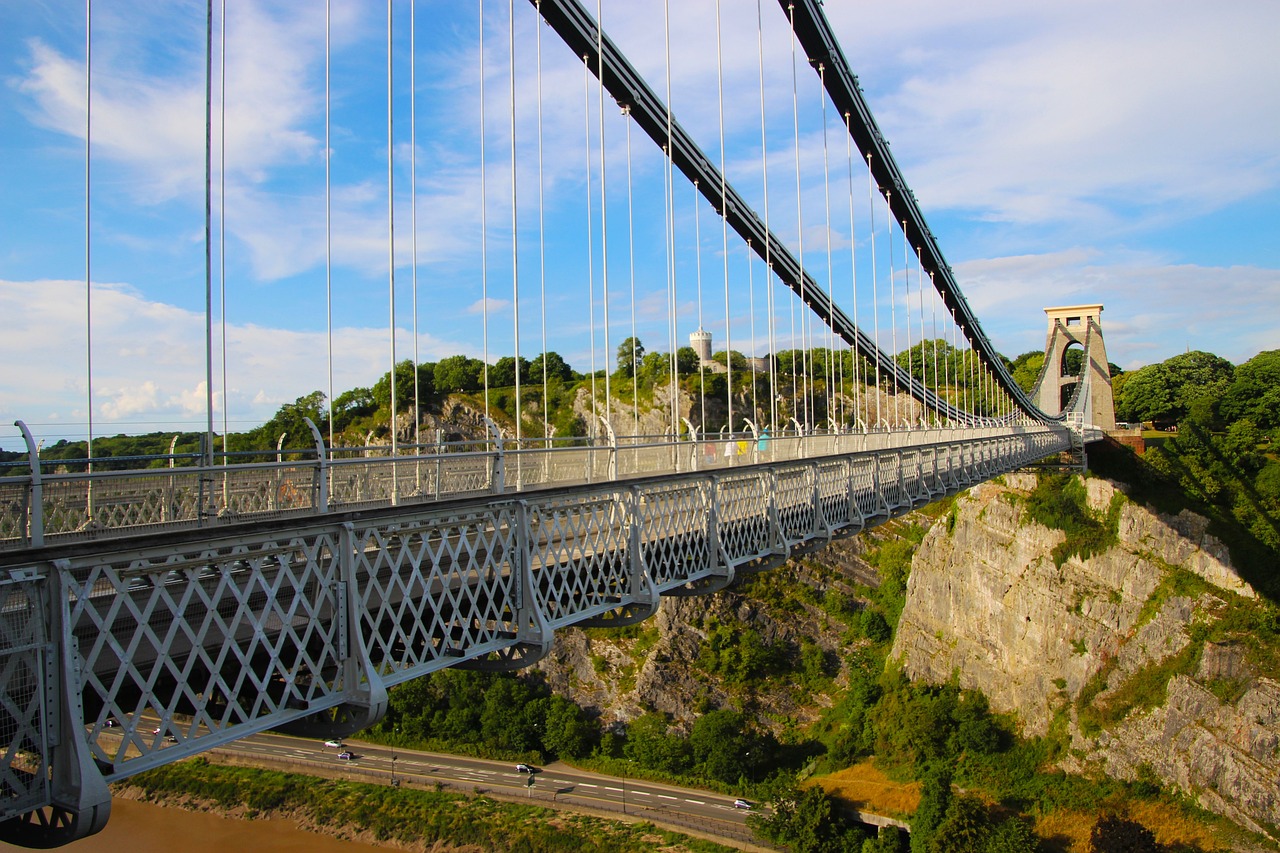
(697, 254)
(671, 235)
(906, 282)
(88, 231)
(768, 261)
(826, 190)
(591, 238)
(413, 225)
(924, 373)
(751, 306)
(391, 247)
(208, 228)
(515, 257)
(604, 222)
(933, 338)
(484, 229)
(542, 244)
(631, 268)
(724, 233)
(853, 266)
(875, 283)
(893, 310)
(328, 213)
(222, 236)
(795, 115)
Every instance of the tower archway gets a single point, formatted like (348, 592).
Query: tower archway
(1072, 329)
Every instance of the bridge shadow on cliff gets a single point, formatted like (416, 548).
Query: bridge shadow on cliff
(1251, 556)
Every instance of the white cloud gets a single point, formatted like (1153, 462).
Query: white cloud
(149, 360)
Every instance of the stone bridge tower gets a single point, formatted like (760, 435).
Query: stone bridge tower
(1077, 325)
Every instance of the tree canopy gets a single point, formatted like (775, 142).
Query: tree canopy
(1167, 391)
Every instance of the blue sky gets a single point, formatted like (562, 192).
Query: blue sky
(1127, 154)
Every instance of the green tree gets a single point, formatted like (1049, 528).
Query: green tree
(1254, 391)
(964, 827)
(935, 799)
(1026, 369)
(381, 391)
(566, 730)
(1013, 835)
(806, 820)
(650, 744)
(557, 369)
(890, 839)
(719, 743)
(289, 420)
(1166, 391)
(630, 354)
(503, 372)
(459, 373)
(351, 406)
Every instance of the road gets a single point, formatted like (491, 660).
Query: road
(705, 812)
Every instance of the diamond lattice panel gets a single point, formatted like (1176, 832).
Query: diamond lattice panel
(673, 522)
(913, 476)
(581, 556)
(742, 513)
(24, 767)
(187, 645)
(433, 588)
(890, 479)
(863, 474)
(833, 492)
(794, 501)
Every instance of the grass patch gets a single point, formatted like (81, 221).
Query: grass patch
(866, 787)
(1145, 689)
(1059, 502)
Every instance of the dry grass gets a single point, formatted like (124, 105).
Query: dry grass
(1068, 831)
(1171, 826)
(866, 788)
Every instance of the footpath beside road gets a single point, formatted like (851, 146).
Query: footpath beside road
(703, 814)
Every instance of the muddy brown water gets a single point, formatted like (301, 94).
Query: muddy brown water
(137, 827)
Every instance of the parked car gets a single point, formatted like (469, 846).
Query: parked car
(525, 768)
(346, 755)
(742, 804)
(334, 744)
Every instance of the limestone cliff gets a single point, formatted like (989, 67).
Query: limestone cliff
(1144, 650)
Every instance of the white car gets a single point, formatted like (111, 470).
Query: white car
(742, 804)
(346, 755)
(334, 744)
(525, 768)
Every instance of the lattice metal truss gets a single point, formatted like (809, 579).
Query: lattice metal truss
(150, 650)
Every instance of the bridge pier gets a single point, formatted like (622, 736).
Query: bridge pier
(70, 796)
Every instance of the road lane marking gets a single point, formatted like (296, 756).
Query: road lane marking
(589, 785)
(696, 802)
(665, 797)
(616, 790)
(642, 793)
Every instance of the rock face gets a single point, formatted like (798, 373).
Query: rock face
(986, 602)
(657, 665)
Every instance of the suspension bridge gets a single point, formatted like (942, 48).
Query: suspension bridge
(153, 611)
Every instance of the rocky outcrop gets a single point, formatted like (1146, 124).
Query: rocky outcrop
(656, 666)
(1226, 755)
(986, 603)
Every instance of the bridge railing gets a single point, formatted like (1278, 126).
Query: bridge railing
(74, 506)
